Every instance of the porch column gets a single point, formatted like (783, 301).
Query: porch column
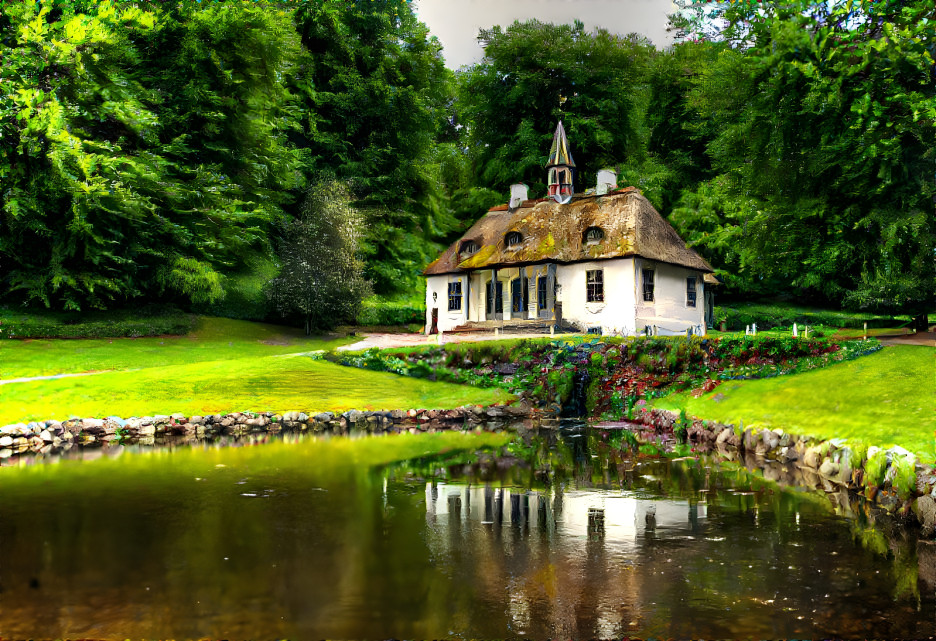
(551, 288)
(468, 297)
(489, 309)
(498, 309)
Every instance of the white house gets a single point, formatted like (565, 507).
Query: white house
(602, 261)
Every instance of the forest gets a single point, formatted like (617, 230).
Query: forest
(253, 159)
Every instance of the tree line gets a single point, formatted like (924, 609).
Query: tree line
(152, 150)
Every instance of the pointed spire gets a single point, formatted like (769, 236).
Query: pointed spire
(559, 168)
(559, 152)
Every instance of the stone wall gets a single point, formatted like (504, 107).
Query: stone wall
(43, 437)
(831, 466)
(786, 458)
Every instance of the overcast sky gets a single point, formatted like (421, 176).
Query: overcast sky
(456, 22)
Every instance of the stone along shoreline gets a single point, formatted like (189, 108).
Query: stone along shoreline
(889, 480)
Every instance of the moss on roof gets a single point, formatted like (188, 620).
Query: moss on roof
(556, 233)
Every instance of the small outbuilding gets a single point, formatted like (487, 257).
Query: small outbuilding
(604, 261)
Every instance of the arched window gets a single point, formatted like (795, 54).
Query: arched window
(594, 235)
(513, 238)
(469, 247)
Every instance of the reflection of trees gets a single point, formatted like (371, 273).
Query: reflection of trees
(550, 581)
(476, 544)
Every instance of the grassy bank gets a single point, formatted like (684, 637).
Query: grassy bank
(212, 339)
(886, 398)
(223, 366)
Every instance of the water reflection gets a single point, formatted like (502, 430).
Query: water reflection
(563, 535)
(618, 518)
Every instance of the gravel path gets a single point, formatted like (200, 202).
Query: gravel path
(927, 339)
(409, 340)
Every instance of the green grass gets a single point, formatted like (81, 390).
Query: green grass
(274, 383)
(886, 398)
(224, 366)
(213, 339)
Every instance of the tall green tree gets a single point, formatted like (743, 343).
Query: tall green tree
(374, 97)
(142, 153)
(677, 140)
(825, 121)
(534, 74)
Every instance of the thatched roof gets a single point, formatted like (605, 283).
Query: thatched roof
(551, 232)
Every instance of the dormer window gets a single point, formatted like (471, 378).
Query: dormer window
(594, 235)
(512, 239)
(468, 248)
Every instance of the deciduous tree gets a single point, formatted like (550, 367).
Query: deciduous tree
(825, 121)
(534, 74)
(374, 96)
(141, 155)
(321, 278)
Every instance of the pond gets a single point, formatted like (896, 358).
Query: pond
(425, 536)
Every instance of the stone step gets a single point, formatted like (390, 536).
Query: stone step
(514, 326)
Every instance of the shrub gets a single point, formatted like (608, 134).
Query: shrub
(904, 476)
(375, 311)
(244, 293)
(152, 320)
(875, 469)
(774, 315)
(859, 453)
(625, 439)
(681, 427)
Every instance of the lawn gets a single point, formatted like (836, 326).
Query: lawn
(214, 339)
(887, 398)
(224, 366)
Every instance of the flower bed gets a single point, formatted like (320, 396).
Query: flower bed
(613, 374)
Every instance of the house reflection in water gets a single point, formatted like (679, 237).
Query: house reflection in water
(577, 562)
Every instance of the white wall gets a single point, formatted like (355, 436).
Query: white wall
(623, 311)
(616, 314)
(439, 285)
(669, 311)
(476, 297)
